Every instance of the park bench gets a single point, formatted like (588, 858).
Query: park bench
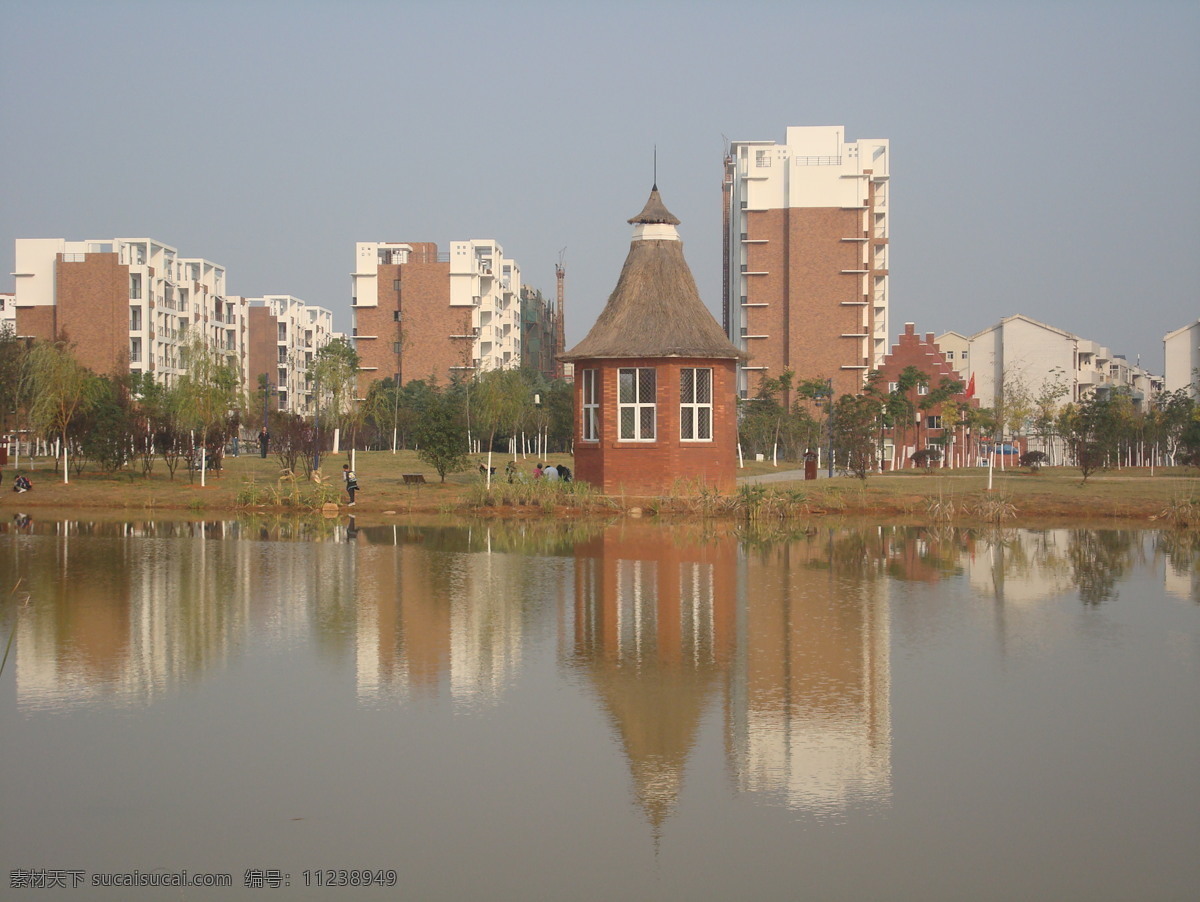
(414, 478)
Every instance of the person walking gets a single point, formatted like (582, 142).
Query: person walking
(264, 439)
(351, 482)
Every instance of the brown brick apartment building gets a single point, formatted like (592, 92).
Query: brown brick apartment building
(805, 270)
(404, 326)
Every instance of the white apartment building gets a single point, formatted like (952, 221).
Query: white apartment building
(806, 228)
(482, 278)
(124, 302)
(1037, 355)
(1181, 349)
(301, 331)
(8, 309)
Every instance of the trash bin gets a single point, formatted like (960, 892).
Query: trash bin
(4, 454)
(810, 465)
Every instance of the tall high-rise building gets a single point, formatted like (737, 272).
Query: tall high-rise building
(806, 256)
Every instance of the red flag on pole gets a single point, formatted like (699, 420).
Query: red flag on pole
(971, 387)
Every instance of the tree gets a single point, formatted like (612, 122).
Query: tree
(1096, 428)
(502, 399)
(1045, 407)
(334, 374)
(559, 404)
(208, 398)
(925, 458)
(12, 358)
(855, 427)
(1014, 406)
(1175, 425)
(1033, 460)
(57, 387)
(107, 426)
(442, 434)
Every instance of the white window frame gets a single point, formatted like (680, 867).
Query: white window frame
(632, 402)
(590, 406)
(691, 408)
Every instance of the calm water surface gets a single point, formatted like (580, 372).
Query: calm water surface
(632, 712)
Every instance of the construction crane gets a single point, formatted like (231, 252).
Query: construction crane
(559, 317)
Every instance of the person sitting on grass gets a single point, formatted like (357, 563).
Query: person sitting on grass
(21, 484)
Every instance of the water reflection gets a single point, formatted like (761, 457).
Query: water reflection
(653, 631)
(784, 640)
(809, 716)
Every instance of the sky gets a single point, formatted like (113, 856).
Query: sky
(1043, 155)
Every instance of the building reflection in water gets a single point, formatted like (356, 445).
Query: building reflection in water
(809, 721)
(653, 631)
(123, 612)
(792, 645)
(447, 610)
(784, 642)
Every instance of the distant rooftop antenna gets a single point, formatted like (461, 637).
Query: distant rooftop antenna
(655, 167)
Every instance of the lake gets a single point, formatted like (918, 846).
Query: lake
(526, 710)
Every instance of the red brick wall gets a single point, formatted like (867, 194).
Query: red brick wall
(36, 322)
(666, 464)
(427, 322)
(811, 302)
(92, 300)
(922, 353)
(262, 349)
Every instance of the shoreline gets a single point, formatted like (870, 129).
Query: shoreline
(766, 495)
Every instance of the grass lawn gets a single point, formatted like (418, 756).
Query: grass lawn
(1053, 492)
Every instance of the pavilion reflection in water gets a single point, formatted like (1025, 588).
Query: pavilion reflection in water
(798, 658)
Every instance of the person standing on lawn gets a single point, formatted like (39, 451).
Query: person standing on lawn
(351, 482)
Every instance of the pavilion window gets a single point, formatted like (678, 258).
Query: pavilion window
(636, 395)
(591, 406)
(695, 404)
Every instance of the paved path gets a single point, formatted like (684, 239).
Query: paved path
(781, 476)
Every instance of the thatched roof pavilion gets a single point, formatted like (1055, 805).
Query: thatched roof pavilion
(655, 387)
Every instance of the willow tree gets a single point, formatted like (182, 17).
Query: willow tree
(57, 388)
(207, 399)
(334, 374)
(503, 398)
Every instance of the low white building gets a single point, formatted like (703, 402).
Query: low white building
(1021, 350)
(1181, 350)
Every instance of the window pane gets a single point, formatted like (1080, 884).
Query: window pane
(686, 430)
(704, 427)
(627, 421)
(626, 387)
(646, 388)
(647, 422)
(687, 385)
(704, 386)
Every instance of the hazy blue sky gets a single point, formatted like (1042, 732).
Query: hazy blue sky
(1044, 155)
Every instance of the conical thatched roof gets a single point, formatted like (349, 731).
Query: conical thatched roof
(655, 310)
(655, 211)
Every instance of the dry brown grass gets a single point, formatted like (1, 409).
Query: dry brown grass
(943, 495)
